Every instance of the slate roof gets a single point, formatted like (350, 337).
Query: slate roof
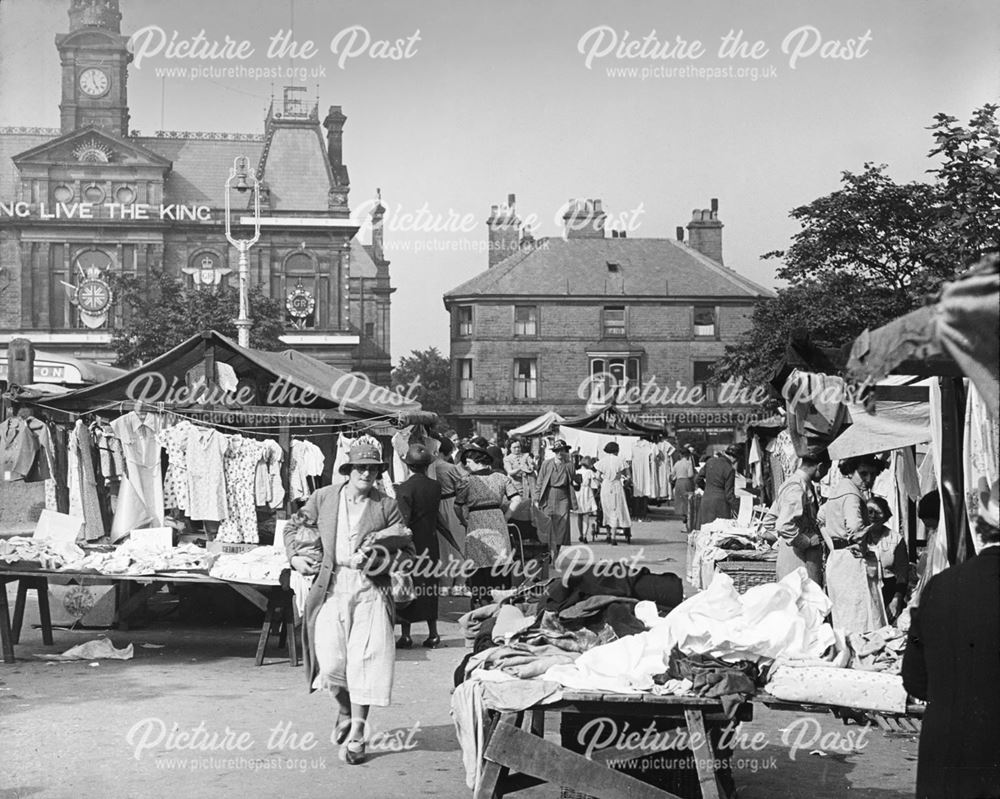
(579, 267)
(200, 166)
(362, 264)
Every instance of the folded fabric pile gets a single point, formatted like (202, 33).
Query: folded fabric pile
(880, 650)
(851, 688)
(135, 559)
(262, 565)
(731, 683)
(768, 621)
(48, 554)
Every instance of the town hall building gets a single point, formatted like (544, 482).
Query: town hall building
(55, 261)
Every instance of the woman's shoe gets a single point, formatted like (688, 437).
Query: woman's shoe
(404, 642)
(583, 539)
(354, 753)
(433, 642)
(342, 730)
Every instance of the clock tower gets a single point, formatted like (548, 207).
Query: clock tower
(95, 58)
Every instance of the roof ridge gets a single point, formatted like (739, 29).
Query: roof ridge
(721, 269)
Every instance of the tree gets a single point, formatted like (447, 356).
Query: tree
(430, 372)
(161, 312)
(874, 249)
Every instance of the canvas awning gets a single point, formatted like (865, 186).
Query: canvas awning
(963, 328)
(894, 425)
(612, 420)
(537, 426)
(269, 379)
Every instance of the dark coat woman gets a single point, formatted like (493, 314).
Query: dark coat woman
(719, 500)
(418, 499)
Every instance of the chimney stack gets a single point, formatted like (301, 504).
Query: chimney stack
(705, 232)
(584, 219)
(334, 124)
(504, 231)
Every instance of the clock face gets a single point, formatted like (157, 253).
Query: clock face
(94, 82)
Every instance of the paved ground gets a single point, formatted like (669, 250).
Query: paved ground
(124, 729)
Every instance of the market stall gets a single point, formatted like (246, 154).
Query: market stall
(607, 651)
(210, 444)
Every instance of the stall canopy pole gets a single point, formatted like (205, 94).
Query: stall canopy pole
(952, 473)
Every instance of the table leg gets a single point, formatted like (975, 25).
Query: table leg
(703, 753)
(6, 642)
(42, 590)
(289, 628)
(19, 602)
(265, 630)
(493, 773)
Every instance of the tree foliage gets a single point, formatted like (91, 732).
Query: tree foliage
(875, 249)
(430, 372)
(161, 312)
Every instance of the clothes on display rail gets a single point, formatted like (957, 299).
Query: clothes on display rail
(305, 467)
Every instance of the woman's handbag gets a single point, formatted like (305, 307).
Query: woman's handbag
(402, 587)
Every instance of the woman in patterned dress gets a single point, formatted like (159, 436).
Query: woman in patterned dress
(484, 503)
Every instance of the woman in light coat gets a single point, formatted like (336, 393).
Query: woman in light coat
(347, 535)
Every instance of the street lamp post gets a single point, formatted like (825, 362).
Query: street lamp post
(243, 180)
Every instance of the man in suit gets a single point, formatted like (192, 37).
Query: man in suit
(556, 497)
(952, 660)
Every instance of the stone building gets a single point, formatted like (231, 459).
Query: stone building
(95, 197)
(569, 322)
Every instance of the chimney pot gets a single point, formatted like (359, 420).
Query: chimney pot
(510, 200)
(715, 205)
(597, 205)
(680, 233)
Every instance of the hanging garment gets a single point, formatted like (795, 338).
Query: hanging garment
(982, 459)
(665, 467)
(306, 462)
(206, 449)
(643, 480)
(89, 501)
(44, 463)
(344, 444)
(18, 449)
(175, 482)
(73, 474)
(240, 466)
(140, 498)
(268, 491)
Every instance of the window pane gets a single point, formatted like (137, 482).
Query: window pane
(465, 386)
(704, 321)
(614, 320)
(525, 320)
(465, 320)
(525, 378)
(633, 370)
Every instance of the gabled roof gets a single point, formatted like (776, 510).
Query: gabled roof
(123, 151)
(579, 267)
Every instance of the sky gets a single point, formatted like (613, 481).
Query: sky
(558, 100)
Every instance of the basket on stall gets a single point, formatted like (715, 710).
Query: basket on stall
(748, 573)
